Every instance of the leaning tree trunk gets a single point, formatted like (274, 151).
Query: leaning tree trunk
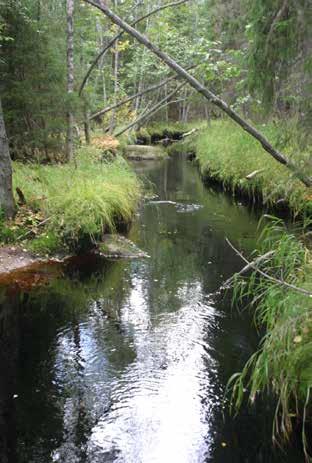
(7, 204)
(70, 78)
(210, 96)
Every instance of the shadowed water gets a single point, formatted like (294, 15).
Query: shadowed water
(127, 361)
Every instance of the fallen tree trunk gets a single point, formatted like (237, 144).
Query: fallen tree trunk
(152, 111)
(117, 37)
(211, 97)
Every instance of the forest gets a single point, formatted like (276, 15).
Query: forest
(155, 231)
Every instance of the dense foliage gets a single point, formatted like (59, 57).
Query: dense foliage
(255, 54)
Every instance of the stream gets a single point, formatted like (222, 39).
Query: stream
(127, 361)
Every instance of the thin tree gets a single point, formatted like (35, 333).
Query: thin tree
(211, 97)
(7, 204)
(70, 78)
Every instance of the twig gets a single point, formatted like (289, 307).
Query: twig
(269, 277)
(30, 231)
(187, 134)
(247, 267)
(254, 173)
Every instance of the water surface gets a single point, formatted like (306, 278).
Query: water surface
(127, 361)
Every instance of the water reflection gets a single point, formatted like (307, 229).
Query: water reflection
(146, 422)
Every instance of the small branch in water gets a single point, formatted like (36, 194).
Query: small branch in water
(253, 266)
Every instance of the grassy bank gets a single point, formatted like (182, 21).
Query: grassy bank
(282, 364)
(227, 154)
(68, 206)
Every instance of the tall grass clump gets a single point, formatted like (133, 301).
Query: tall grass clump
(283, 363)
(227, 155)
(83, 202)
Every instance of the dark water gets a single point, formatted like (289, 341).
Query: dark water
(127, 361)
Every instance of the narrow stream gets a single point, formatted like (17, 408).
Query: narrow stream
(127, 361)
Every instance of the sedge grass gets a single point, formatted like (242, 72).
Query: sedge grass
(227, 155)
(282, 364)
(80, 202)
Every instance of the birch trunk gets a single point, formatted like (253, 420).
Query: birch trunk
(70, 78)
(7, 204)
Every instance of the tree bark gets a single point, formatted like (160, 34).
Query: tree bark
(86, 126)
(70, 78)
(120, 34)
(211, 97)
(7, 204)
(116, 85)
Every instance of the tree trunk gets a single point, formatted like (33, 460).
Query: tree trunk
(116, 85)
(7, 204)
(86, 126)
(70, 78)
(278, 156)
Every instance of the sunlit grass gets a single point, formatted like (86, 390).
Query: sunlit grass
(227, 154)
(81, 202)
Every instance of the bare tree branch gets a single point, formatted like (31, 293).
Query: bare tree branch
(117, 37)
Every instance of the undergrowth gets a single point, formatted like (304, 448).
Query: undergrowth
(78, 204)
(227, 155)
(282, 364)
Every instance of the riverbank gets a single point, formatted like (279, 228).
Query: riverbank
(229, 156)
(281, 299)
(68, 207)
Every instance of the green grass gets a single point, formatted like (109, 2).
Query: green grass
(282, 364)
(80, 203)
(160, 129)
(227, 155)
